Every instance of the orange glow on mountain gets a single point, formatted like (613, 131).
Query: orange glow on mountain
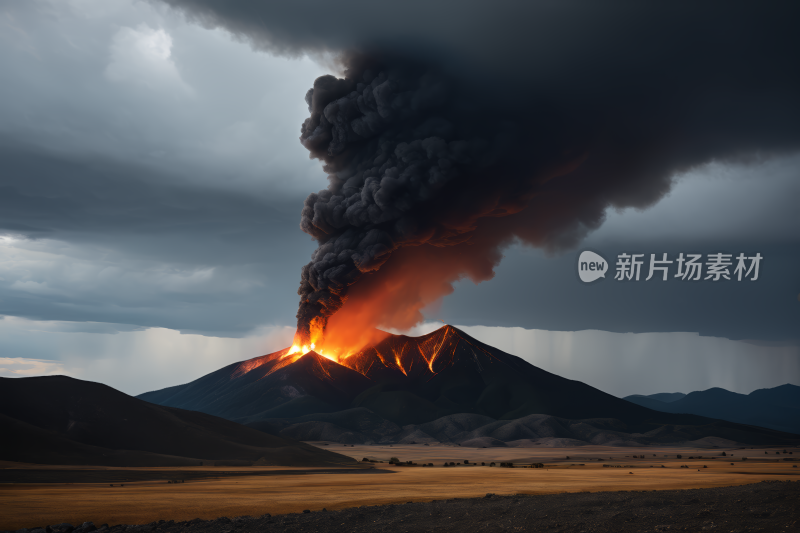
(414, 358)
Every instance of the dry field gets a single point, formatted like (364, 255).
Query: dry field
(40, 504)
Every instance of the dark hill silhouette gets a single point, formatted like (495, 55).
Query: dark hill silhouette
(776, 408)
(61, 420)
(412, 381)
(667, 396)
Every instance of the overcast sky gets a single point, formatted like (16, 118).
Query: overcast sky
(150, 198)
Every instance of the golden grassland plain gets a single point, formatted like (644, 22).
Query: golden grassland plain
(40, 504)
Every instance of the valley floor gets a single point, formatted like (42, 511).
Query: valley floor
(212, 492)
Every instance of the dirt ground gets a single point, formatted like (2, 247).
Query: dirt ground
(139, 502)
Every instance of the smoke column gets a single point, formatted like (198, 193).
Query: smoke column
(413, 167)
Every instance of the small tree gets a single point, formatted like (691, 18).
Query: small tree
(680, 456)
(394, 460)
(724, 454)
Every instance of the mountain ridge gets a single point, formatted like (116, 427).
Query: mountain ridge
(775, 408)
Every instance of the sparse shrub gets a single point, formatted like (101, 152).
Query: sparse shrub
(724, 454)
(691, 457)
(491, 464)
(452, 464)
(680, 456)
(430, 464)
(483, 464)
(446, 464)
(466, 462)
(364, 460)
(394, 460)
(744, 458)
(777, 453)
(704, 466)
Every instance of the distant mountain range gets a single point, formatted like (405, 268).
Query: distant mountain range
(442, 387)
(65, 421)
(777, 408)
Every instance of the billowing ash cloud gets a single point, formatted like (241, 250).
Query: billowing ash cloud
(409, 163)
(461, 126)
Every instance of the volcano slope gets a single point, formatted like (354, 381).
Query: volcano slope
(66, 421)
(442, 387)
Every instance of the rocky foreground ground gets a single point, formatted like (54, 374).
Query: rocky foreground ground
(766, 506)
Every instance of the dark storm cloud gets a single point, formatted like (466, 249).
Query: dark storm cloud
(139, 246)
(463, 111)
(45, 194)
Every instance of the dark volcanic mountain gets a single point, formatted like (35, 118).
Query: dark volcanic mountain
(61, 420)
(775, 408)
(393, 392)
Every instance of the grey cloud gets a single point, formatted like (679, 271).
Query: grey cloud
(117, 243)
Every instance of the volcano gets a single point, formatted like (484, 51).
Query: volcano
(444, 386)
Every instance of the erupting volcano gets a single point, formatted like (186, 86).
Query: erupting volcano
(412, 389)
(391, 358)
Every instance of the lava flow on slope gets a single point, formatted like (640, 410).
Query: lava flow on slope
(394, 357)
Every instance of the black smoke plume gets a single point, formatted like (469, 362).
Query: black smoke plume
(410, 163)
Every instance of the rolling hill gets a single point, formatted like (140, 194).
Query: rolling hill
(61, 420)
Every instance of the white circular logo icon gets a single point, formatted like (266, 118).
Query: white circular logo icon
(591, 267)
